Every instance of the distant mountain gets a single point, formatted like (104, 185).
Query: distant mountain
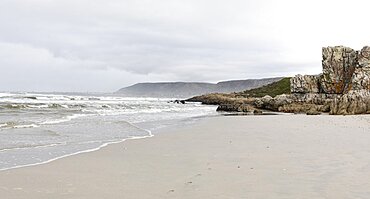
(190, 89)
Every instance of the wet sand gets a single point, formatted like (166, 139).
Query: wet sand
(274, 156)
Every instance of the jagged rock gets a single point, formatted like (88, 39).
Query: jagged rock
(338, 66)
(361, 79)
(342, 88)
(305, 84)
(364, 57)
(354, 102)
(361, 76)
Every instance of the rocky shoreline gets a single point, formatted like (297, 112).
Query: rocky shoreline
(343, 88)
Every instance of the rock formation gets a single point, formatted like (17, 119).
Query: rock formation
(344, 83)
(361, 75)
(342, 88)
(338, 66)
(344, 69)
(353, 102)
(305, 84)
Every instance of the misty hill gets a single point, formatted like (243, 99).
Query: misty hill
(189, 89)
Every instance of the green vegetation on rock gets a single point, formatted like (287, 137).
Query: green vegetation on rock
(273, 89)
(277, 88)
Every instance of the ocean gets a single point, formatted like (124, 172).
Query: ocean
(37, 128)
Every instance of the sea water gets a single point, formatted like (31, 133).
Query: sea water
(36, 128)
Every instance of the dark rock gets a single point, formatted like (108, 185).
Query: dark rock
(177, 101)
(257, 112)
(31, 97)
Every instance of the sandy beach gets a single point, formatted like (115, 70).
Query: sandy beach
(276, 156)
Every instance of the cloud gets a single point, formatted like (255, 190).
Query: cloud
(96, 45)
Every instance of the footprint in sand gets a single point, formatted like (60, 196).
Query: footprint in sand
(191, 182)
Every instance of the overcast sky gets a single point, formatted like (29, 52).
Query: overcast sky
(103, 45)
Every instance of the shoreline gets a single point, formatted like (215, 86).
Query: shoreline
(76, 153)
(127, 139)
(150, 132)
(284, 156)
(83, 151)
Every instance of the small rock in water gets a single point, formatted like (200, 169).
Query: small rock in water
(177, 101)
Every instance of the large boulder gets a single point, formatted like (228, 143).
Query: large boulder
(305, 84)
(272, 103)
(338, 64)
(361, 76)
(354, 102)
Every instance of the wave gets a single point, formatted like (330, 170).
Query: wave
(14, 125)
(32, 146)
(26, 126)
(100, 128)
(65, 119)
(3, 95)
(3, 125)
(13, 106)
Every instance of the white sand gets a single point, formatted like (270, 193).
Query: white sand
(252, 157)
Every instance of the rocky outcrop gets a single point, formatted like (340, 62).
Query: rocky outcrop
(344, 82)
(305, 84)
(353, 102)
(296, 103)
(361, 79)
(226, 102)
(361, 75)
(343, 69)
(338, 65)
(342, 88)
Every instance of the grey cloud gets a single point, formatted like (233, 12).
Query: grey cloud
(101, 45)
